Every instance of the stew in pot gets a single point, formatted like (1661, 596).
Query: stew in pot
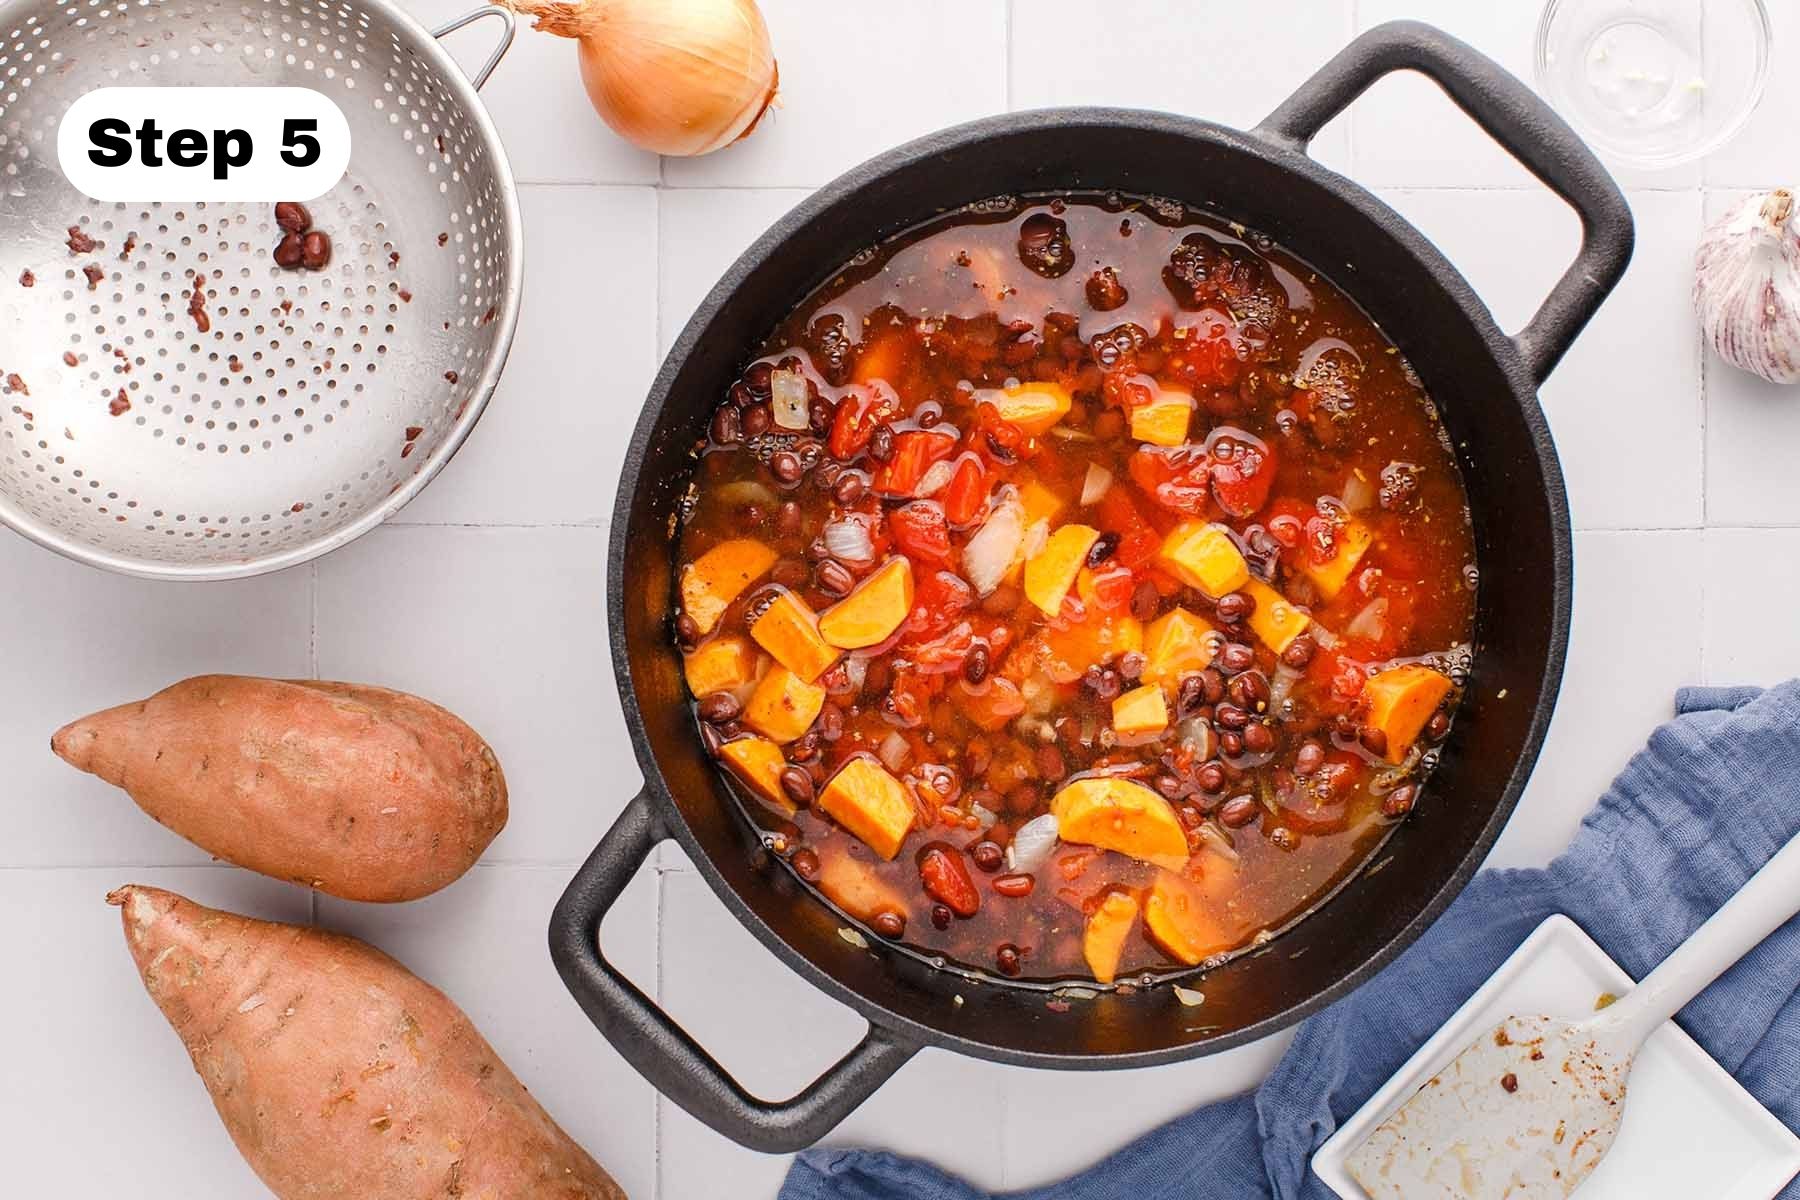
(1076, 588)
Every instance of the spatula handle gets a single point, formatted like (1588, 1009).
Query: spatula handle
(1760, 907)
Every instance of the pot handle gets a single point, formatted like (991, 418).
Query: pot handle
(661, 1050)
(1512, 115)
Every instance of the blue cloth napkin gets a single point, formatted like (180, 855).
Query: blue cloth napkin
(1711, 797)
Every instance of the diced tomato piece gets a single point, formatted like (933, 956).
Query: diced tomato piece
(946, 651)
(1319, 539)
(914, 453)
(1113, 584)
(1125, 391)
(966, 496)
(998, 441)
(1243, 471)
(990, 706)
(921, 532)
(1339, 672)
(1138, 540)
(939, 597)
(1287, 519)
(854, 422)
(1176, 478)
(1206, 361)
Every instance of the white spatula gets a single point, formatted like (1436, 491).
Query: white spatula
(1529, 1109)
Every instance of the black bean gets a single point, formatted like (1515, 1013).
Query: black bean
(975, 664)
(726, 426)
(289, 251)
(1212, 685)
(719, 708)
(1236, 657)
(1230, 716)
(1309, 759)
(1400, 801)
(315, 250)
(848, 489)
(1145, 600)
(1211, 778)
(1299, 652)
(1102, 549)
(292, 217)
(1258, 738)
(1189, 696)
(987, 855)
(1007, 959)
(797, 783)
(1238, 811)
(818, 414)
(741, 396)
(888, 924)
(806, 864)
(788, 519)
(881, 443)
(1104, 291)
(1248, 690)
(687, 631)
(927, 416)
(1373, 740)
(1132, 664)
(757, 420)
(1231, 743)
(834, 578)
(785, 466)
(805, 748)
(1438, 728)
(1234, 607)
(711, 741)
(941, 916)
(1169, 786)
(759, 379)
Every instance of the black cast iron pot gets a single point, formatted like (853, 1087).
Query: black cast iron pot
(1484, 382)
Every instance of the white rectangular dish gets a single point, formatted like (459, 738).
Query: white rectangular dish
(1689, 1130)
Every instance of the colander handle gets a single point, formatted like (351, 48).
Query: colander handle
(660, 1050)
(1528, 129)
(486, 10)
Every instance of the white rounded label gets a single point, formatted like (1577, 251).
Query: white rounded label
(203, 143)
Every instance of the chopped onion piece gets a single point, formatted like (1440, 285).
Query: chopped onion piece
(1370, 624)
(856, 670)
(742, 492)
(1095, 484)
(849, 540)
(1281, 686)
(1031, 845)
(936, 479)
(1035, 537)
(1359, 492)
(1188, 996)
(989, 554)
(1218, 841)
(788, 399)
(986, 816)
(894, 751)
(854, 938)
(1200, 737)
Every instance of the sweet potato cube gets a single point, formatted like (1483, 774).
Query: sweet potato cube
(790, 632)
(1070, 649)
(1117, 814)
(1163, 421)
(783, 706)
(1039, 502)
(993, 705)
(853, 886)
(1176, 643)
(1401, 699)
(759, 763)
(1273, 619)
(1050, 573)
(1033, 407)
(1103, 941)
(870, 803)
(1353, 541)
(1203, 556)
(1180, 920)
(724, 664)
(873, 610)
(1141, 712)
(711, 582)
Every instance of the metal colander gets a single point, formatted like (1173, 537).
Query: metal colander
(307, 405)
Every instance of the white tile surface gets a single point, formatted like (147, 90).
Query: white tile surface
(1748, 636)
(490, 597)
(1630, 593)
(1072, 52)
(857, 79)
(549, 447)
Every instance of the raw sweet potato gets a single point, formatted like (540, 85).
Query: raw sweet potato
(340, 1074)
(358, 791)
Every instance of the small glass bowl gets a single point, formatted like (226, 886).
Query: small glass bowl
(1654, 83)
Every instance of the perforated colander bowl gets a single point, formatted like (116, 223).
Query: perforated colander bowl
(285, 412)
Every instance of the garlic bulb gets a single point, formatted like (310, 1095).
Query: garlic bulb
(1747, 287)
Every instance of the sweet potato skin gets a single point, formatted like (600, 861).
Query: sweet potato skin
(362, 792)
(340, 1074)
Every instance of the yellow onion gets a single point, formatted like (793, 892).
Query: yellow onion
(677, 77)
